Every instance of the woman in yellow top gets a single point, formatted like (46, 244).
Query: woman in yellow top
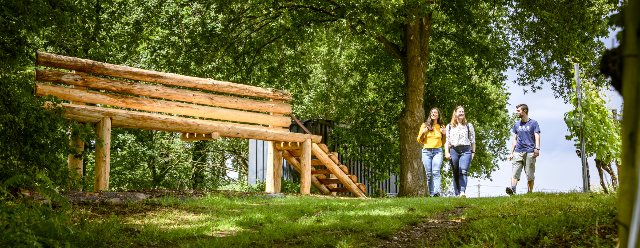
(432, 136)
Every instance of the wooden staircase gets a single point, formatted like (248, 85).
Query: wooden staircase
(326, 171)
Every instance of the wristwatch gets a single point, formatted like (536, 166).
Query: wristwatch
(537, 149)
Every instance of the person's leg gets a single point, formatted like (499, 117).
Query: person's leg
(426, 161)
(465, 162)
(436, 164)
(530, 169)
(455, 170)
(517, 164)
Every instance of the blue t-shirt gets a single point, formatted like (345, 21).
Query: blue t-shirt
(526, 141)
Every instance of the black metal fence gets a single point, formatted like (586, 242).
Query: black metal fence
(258, 151)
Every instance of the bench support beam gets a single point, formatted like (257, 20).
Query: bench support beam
(274, 169)
(103, 130)
(305, 172)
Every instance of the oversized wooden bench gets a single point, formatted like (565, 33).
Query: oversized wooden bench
(172, 101)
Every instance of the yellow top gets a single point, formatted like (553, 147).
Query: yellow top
(431, 139)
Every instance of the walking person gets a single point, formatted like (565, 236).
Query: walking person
(460, 148)
(525, 148)
(432, 137)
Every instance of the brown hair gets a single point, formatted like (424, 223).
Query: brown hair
(454, 120)
(524, 107)
(428, 125)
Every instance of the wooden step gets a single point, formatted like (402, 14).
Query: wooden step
(353, 178)
(338, 189)
(362, 187)
(324, 148)
(316, 162)
(329, 181)
(321, 176)
(326, 172)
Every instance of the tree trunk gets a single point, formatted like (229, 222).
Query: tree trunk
(599, 165)
(417, 44)
(628, 176)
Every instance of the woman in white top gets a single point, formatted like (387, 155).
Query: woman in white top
(460, 148)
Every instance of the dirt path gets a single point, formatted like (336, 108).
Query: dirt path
(428, 233)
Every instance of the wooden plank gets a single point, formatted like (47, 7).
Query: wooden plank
(320, 177)
(339, 189)
(316, 162)
(346, 181)
(134, 119)
(199, 136)
(326, 172)
(296, 165)
(90, 66)
(154, 105)
(330, 181)
(333, 185)
(103, 152)
(163, 92)
(305, 166)
(274, 169)
(324, 148)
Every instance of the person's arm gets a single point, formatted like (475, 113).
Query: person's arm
(421, 133)
(473, 150)
(446, 146)
(536, 151)
(513, 147)
(444, 135)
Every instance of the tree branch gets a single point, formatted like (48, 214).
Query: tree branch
(393, 48)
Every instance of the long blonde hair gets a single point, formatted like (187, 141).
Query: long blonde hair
(454, 119)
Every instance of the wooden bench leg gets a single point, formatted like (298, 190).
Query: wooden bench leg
(76, 164)
(103, 130)
(274, 169)
(305, 173)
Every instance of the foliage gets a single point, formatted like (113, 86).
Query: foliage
(600, 131)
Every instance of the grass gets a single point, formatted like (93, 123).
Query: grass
(571, 220)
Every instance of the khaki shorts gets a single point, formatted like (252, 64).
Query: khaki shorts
(526, 161)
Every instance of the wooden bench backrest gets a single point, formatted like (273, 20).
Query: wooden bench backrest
(208, 105)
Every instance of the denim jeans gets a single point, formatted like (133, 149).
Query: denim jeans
(460, 161)
(432, 160)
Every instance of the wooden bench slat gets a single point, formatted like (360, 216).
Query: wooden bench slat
(159, 91)
(135, 119)
(95, 67)
(160, 105)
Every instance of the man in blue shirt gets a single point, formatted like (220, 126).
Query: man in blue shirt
(525, 148)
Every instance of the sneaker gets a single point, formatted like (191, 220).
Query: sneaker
(436, 195)
(462, 195)
(510, 191)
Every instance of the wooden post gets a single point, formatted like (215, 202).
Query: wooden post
(274, 169)
(76, 165)
(103, 130)
(305, 172)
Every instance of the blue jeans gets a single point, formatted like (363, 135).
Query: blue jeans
(432, 160)
(460, 161)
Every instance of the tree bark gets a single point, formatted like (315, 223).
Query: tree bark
(628, 176)
(417, 36)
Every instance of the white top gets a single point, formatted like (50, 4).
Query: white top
(461, 135)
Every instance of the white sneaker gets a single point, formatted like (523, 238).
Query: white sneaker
(462, 195)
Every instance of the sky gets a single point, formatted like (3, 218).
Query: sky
(558, 168)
